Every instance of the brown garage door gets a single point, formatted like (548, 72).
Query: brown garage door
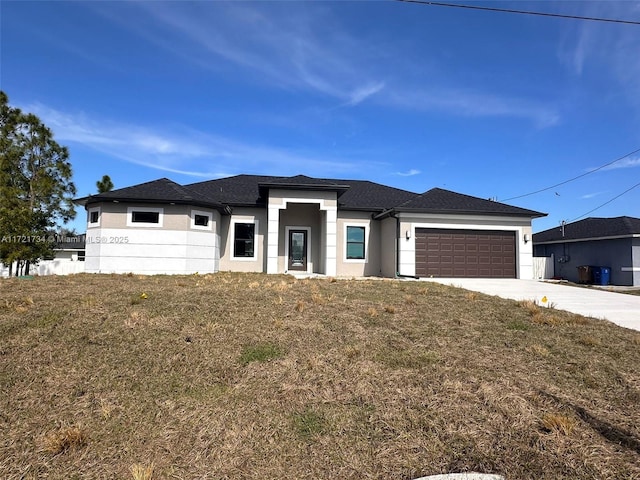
(465, 253)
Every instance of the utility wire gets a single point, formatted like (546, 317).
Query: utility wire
(605, 203)
(522, 12)
(574, 178)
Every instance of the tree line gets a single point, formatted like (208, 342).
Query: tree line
(36, 189)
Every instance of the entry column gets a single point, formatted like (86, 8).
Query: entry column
(273, 226)
(331, 241)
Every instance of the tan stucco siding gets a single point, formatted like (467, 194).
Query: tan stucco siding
(388, 249)
(174, 217)
(243, 215)
(370, 266)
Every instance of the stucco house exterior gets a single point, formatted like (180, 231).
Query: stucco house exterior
(604, 242)
(304, 225)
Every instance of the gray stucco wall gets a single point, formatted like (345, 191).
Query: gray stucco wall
(615, 254)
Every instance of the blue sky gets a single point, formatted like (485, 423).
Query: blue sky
(414, 96)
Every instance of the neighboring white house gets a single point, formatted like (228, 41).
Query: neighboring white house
(305, 225)
(69, 256)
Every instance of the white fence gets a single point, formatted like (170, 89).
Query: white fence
(59, 267)
(49, 267)
(543, 268)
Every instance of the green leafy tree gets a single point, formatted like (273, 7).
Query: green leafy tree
(105, 184)
(36, 190)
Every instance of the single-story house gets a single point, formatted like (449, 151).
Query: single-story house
(68, 258)
(600, 242)
(69, 255)
(304, 225)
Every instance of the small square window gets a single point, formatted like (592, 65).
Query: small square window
(244, 240)
(201, 220)
(93, 217)
(81, 255)
(145, 217)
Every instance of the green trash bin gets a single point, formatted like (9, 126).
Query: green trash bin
(585, 274)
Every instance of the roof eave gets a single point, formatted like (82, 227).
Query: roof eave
(91, 199)
(589, 239)
(440, 211)
(339, 189)
(374, 210)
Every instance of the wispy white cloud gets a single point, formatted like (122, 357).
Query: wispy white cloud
(587, 196)
(288, 47)
(362, 93)
(308, 49)
(409, 173)
(182, 150)
(625, 163)
(593, 48)
(472, 103)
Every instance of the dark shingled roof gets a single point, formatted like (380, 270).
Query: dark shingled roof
(71, 242)
(244, 190)
(303, 180)
(438, 200)
(157, 191)
(365, 195)
(591, 228)
(252, 191)
(240, 190)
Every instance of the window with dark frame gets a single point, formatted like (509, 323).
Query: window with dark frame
(201, 220)
(81, 255)
(94, 216)
(145, 217)
(355, 243)
(243, 244)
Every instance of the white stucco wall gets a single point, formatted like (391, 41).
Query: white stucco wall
(111, 250)
(176, 246)
(326, 203)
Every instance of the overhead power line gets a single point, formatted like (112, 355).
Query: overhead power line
(522, 12)
(606, 203)
(574, 178)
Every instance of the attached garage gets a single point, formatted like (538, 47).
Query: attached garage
(465, 253)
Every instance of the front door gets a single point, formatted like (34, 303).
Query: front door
(298, 250)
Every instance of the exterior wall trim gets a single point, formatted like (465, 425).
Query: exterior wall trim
(232, 236)
(273, 228)
(367, 230)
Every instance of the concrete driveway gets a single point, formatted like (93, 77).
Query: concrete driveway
(619, 308)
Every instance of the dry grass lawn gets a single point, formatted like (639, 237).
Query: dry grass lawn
(255, 376)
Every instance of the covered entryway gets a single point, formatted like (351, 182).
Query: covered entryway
(451, 253)
(297, 249)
